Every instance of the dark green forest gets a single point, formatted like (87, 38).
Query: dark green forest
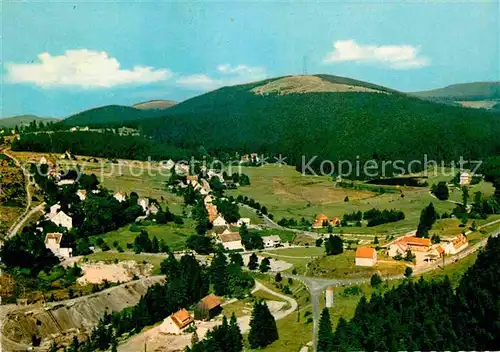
(334, 126)
(330, 126)
(110, 114)
(430, 315)
(108, 145)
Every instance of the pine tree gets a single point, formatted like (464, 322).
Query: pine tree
(264, 265)
(253, 262)
(428, 217)
(236, 258)
(334, 245)
(170, 267)
(235, 337)
(263, 330)
(155, 245)
(325, 332)
(218, 274)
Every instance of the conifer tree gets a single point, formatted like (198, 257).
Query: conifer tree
(325, 333)
(263, 330)
(235, 339)
(264, 265)
(253, 262)
(218, 273)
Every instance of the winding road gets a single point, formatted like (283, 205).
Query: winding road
(14, 229)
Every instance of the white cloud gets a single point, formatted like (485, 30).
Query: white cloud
(227, 75)
(399, 57)
(81, 68)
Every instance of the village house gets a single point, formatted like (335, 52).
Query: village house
(219, 230)
(271, 241)
(62, 220)
(153, 209)
(53, 210)
(53, 243)
(212, 213)
(192, 179)
(119, 196)
(242, 221)
(82, 194)
(211, 174)
(465, 178)
(144, 203)
(456, 244)
(208, 307)
(205, 185)
(434, 254)
(321, 220)
(219, 221)
(231, 241)
(366, 256)
(245, 158)
(208, 200)
(43, 160)
(414, 244)
(176, 323)
(66, 182)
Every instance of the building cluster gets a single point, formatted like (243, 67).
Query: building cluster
(321, 221)
(424, 250)
(206, 309)
(247, 158)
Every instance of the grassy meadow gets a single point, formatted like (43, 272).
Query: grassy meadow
(173, 235)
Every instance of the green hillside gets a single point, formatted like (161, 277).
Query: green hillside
(110, 114)
(465, 91)
(333, 125)
(24, 120)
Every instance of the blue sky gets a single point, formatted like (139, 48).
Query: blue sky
(60, 58)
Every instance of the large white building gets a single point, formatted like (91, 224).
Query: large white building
(220, 221)
(63, 220)
(271, 241)
(231, 241)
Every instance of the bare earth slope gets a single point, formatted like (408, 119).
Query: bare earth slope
(308, 84)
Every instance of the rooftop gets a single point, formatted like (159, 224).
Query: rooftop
(365, 252)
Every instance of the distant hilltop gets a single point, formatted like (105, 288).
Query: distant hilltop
(24, 120)
(484, 95)
(154, 105)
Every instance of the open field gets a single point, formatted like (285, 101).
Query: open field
(297, 256)
(173, 235)
(342, 266)
(285, 236)
(111, 257)
(288, 194)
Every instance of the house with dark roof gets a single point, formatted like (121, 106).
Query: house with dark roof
(208, 307)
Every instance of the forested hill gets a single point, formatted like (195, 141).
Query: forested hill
(25, 120)
(464, 91)
(429, 316)
(111, 114)
(332, 121)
